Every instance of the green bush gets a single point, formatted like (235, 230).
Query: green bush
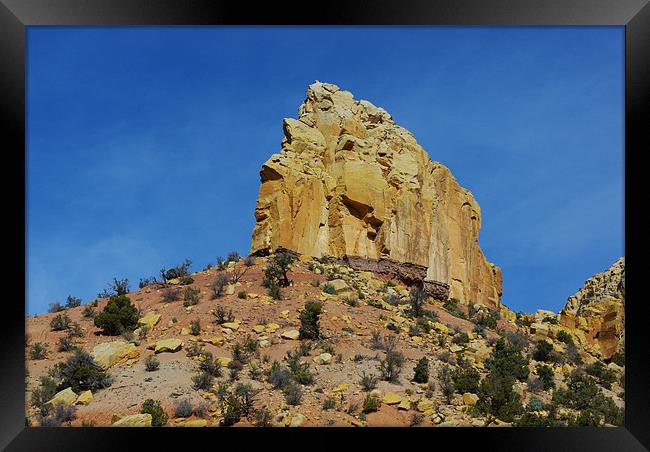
(507, 360)
(72, 302)
(329, 404)
(158, 415)
(117, 288)
(545, 374)
(210, 366)
(276, 271)
(65, 344)
(151, 363)
(221, 316)
(82, 373)
(56, 307)
(176, 272)
(299, 371)
(391, 366)
(231, 410)
(533, 420)
(242, 295)
(195, 327)
(191, 296)
(460, 338)
(543, 351)
(496, 397)
(183, 408)
(565, 337)
(465, 380)
(38, 350)
(45, 392)
(60, 322)
(417, 299)
(88, 312)
(309, 320)
(618, 358)
(203, 380)
(446, 383)
(118, 316)
(219, 285)
(370, 404)
(293, 394)
(603, 375)
(421, 371)
(329, 288)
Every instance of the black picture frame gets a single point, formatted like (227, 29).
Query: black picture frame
(634, 15)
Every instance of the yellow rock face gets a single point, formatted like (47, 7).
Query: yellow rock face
(65, 397)
(391, 398)
(84, 398)
(349, 182)
(151, 319)
(109, 354)
(470, 399)
(134, 420)
(168, 345)
(596, 313)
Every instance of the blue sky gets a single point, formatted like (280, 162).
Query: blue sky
(144, 143)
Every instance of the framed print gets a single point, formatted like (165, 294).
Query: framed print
(359, 221)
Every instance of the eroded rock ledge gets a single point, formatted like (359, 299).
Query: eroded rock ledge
(408, 273)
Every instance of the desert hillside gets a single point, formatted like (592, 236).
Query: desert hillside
(358, 370)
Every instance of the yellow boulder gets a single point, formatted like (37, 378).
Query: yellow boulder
(168, 345)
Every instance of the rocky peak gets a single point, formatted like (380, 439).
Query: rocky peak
(597, 310)
(351, 184)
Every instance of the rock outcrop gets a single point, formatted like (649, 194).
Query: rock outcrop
(597, 311)
(351, 184)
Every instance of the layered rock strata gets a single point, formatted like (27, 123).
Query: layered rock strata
(350, 183)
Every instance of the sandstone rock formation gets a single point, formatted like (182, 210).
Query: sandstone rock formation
(597, 311)
(350, 183)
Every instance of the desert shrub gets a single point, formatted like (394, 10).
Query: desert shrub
(171, 294)
(329, 404)
(176, 272)
(573, 355)
(144, 282)
(603, 375)
(506, 359)
(60, 322)
(278, 376)
(535, 384)
(218, 285)
(565, 337)
(142, 331)
(371, 403)
(231, 410)
(246, 396)
(262, 417)
(151, 363)
(293, 394)
(416, 419)
(497, 398)
(183, 408)
(309, 320)
(391, 366)
(201, 410)
(375, 340)
(446, 383)
(56, 307)
(421, 371)
(255, 372)
(158, 415)
(210, 366)
(276, 271)
(75, 330)
(195, 327)
(465, 380)
(221, 316)
(191, 296)
(517, 340)
(275, 292)
(299, 371)
(368, 382)
(529, 419)
(542, 351)
(329, 288)
(618, 358)
(65, 344)
(352, 302)
(203, 380)
(249, 261)
(46, 390)
(460, 338)
(545, 374)
(38, 350)
(242, 294)
(72, 302)
(452, 306)
(486, 320)
(81, 372)
(417, 299)
(118, 316)
(116, 288)
(185, 280)
(88, 312)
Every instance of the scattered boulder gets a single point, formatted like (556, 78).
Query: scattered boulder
(109, 354)
(290, 334)
(168, 345)
(66, 397)
(149, 320)
(470, 399)
(134, 420)
(84, 398)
